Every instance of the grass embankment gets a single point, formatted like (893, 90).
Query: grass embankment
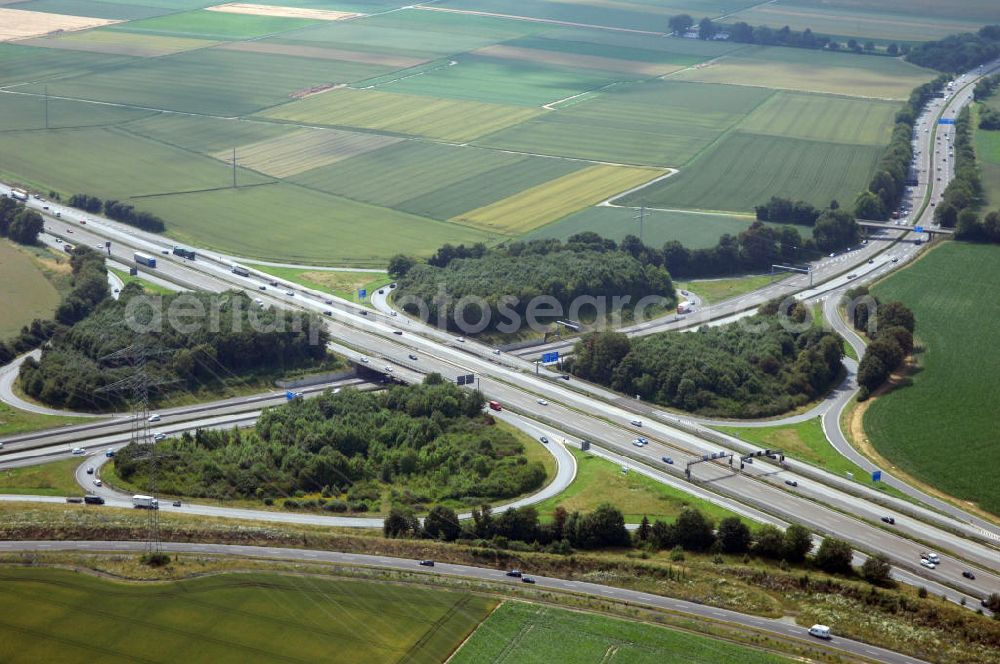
(940, 426)
(148, 286)
(50, 615)
(806, 441)
(55, 478)
(14, 421)
(896, 619)
(26, 293)
(716, 290)
(343, 284)
(600, 481)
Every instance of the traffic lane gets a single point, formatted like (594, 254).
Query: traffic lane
(768, 493)
(776, 627)
(8, 376)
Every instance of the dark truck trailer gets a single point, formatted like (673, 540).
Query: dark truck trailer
(184, 252)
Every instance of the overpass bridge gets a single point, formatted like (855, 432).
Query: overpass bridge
(930, 230)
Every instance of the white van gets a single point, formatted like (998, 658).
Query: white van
(636, 423)
(820, 631)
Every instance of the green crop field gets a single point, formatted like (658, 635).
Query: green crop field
(214, 25)
(438, 181)
(823, 118)
(28, 112)
(520, 632)
(210, 81)
(942, 426)
(26, 293)
(121, 43)
(19, 64)
(328, 230)
(305, 150)
(654, 123)
(746, 169)
(891, 20)
(405, 114)
(812, 71)
(49, 615)
(206, 135)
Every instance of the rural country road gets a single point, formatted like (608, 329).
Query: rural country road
(774, 627)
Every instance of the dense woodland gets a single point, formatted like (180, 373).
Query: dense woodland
(958, 53)
(18, 223)
(749, 369)
(71, 371)
(891, 333)
(431, 442)
(511, 275)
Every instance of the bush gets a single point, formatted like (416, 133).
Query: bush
(834, 556)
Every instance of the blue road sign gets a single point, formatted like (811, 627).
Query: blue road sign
(947, 121)
(362, 293)
(919, 229)
(550, 357)
(877, 476)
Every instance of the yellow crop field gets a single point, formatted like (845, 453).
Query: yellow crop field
(304, 150)
(444, 119)
(555, 199)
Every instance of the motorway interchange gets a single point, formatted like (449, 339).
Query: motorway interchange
(568, 412)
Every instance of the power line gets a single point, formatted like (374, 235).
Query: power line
(640, 216)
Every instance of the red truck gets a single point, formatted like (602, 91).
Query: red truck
(495, 405)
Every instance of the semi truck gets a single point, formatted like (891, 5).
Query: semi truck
(145, 259)
(184, 252)
(241, 271)
(19, 194)
(145, 503)
(684, 307)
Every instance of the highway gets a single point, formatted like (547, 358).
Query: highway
(593, 412)
(775, 627)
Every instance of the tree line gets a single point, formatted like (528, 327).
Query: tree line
(969, 227)
(414, 446)
(203, 351)
(958, 53)
(89, 287)
(119, 211)
(890, 332)
(18, 223)
(509, 276)
(749, 369)
(965, 190)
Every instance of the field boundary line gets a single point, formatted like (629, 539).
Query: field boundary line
(549, 21)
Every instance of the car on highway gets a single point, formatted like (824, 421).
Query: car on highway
(412, 356)
(543, 402)
(97, 482)
(159, 436)
(969, 575)
(393, 313)
(427, 563)
(871, 261)
(262, 287)
(895, 259)
(109, 453)
(327, 301)
(364, 360)
(290, 293)
(791, 483)
(515, 573)
(852, 275)
(527, 579)
(153, 418)
(460, 340)
(496, 351)
(327, 312)
(398, 333)
(926, 563)
(667, 460)
(176, 503)
(543, 439)
(890, 520)
(638, 442)
(387, 369)
(635, 423)
(90, 471)
(820, 632)
(363, 312)
(933, 557)
(643, 440)
(74, 499)
(79, 450)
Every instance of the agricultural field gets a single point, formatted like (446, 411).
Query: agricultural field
(19, 64)
(120, 43)
(20, 24)
(886, 20)
(746, 169)
(444, 119)
(812, 71)
(988, 161)
(649, 123)
(438, 181)
(328, 229)
(122, 10)
(53, 615)
(548, 202)
(941, 425)
(26, 294)
(521, 632)
(215, 25)
(814, 117)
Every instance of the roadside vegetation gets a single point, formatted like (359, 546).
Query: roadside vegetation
(56, 478)
(343, 284)
(18, 223)
(14, 421)
(890, 332)
(719, 371)
(897, 618)
(352, 451)
(27, 293)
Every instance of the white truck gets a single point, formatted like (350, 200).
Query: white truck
(19, 194)
(145, 503)
(685, 307)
